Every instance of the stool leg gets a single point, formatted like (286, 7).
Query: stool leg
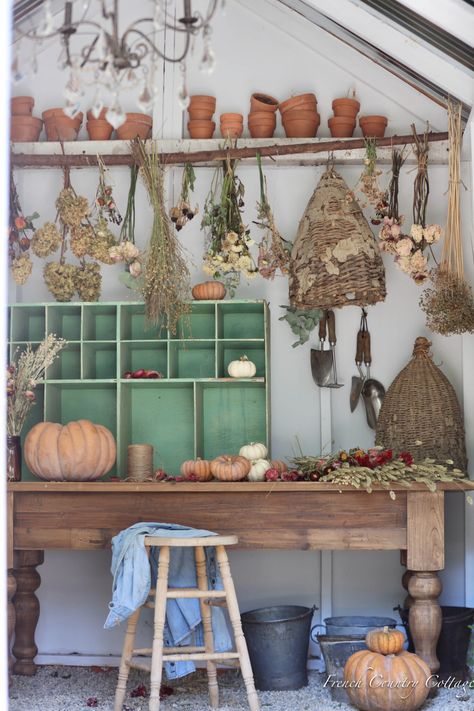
(234, 614)
(158, 628)
(126, 659)
(206, 615)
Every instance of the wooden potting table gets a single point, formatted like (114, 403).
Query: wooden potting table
(296, 515)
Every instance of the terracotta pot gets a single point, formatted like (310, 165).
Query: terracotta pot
(263, 102)
(62, 128)
(373, 125)
(261, 129)
(200, 114)
(99, 129)
(131, 129)
(233, 118)
(306, 101)
(101, 116)
(300, 114)
(22, 105)
(139, 118)
(25, 128)
(301, 128)
(341, 126)
(200, 102)
(268, 116)
(201, 129)
(346, 107)
(59, 112)
(231, 129)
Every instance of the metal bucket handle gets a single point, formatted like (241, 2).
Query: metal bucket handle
(314, 627)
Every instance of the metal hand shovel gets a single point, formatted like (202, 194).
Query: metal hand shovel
(321, 360)
(358, 381)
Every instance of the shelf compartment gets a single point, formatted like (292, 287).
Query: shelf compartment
(160, 414)
(199, 323)
(34, 416)
(99, 361)
(150, 355)
(133, 326)
(28, 323)
(229, 417)
(99, 322)
(192, 359)
(65, 321)
(244, 320)
(67, 365)
(228, 351)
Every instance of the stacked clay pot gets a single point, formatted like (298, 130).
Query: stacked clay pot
(59, 126)
(373, 126)
(99, 129)
(343, 123)
(24, 126)
(299, 116)
(232, 125)
(135, 125)
(201, 110)
(262, 117)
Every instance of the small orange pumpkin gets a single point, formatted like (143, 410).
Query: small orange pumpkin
(200, 467)
(227, 468)
(279, 465)
(78, 451)
(385, 640)
(209, 290)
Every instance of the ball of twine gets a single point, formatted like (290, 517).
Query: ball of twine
(140, 461)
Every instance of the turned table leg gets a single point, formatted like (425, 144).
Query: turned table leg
(425, 616)
(11, 590)
(27, 610)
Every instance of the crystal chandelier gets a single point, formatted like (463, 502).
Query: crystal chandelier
(114, 61)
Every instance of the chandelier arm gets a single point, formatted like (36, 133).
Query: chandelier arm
(152, 45)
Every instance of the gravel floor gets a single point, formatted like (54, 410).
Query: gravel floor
(61, 688)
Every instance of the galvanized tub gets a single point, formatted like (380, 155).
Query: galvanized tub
(336, 651)
(277, 640)
(351, 625)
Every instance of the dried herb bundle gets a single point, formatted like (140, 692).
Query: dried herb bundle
(166, 274)
(368, 183)
(273, 251)
(449, 302)
(20, 235)
(181, 213)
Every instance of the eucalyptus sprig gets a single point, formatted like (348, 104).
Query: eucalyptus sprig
(302, 322)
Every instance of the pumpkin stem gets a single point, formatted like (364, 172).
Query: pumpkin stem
(244, 357)
(385, 629)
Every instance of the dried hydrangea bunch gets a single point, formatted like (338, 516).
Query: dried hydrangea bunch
(88, 281)
(21, 268)
(46, 240)
(80, 240)
(101, 242)
(60, 280)
(20, 230)
(72, 208)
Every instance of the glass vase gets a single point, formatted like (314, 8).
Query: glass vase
(13, 458)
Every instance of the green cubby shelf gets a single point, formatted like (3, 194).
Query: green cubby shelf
(196, 409)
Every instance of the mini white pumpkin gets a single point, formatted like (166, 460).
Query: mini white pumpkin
(242, 368)
(258, 469)
(254, 450)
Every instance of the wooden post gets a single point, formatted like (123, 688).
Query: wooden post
(27, 610)
(127, 653)
(206, 614)
(158, 628)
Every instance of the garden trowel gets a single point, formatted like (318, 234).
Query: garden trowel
(322, 361)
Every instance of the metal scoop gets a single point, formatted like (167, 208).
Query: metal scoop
(373, 392)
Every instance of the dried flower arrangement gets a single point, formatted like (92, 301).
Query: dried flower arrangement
(21, 231)
(181, 213)
(166, 274)
(368, 183)
(449, 303)
(23, 374)
(274, 251)
(227, 255)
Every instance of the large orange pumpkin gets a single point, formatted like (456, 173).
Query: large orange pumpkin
(200, 467)
(78, 451)
(211, 290)
(227, 468)
(394, 682)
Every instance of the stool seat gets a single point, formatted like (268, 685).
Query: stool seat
(157, 599)
(202, 541)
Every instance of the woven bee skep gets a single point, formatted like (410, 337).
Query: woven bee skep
(421, 406)
(335, 259)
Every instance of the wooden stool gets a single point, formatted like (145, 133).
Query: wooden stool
(206, 598)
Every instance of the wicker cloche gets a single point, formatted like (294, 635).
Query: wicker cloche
(335, 259)
(421, 414)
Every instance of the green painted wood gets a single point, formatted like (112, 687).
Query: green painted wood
(196, 410)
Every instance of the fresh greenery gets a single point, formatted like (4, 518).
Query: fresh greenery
(301, 321)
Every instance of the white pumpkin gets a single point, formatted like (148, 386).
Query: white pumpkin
(242, 368)
(258, 469)
(254, 450)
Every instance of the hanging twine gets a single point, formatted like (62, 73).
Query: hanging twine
(452, 257)
(421, 186)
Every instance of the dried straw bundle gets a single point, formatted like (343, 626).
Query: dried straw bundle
(449, 303)
(421, 414)
(335, 259)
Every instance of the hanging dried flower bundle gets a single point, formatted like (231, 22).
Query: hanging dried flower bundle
(273, 251)
(126, 252)
(21, 231)
(104, 199)
(166, 273)
(181, 213)
(368, 183)
(449, 302)
(228, 239)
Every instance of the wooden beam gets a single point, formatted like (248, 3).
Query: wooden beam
(26, 160)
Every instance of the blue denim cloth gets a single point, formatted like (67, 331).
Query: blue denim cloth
(132, 580)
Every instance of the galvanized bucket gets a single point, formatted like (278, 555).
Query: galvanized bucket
(351, 626)
(277, 640)
(336, 651)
